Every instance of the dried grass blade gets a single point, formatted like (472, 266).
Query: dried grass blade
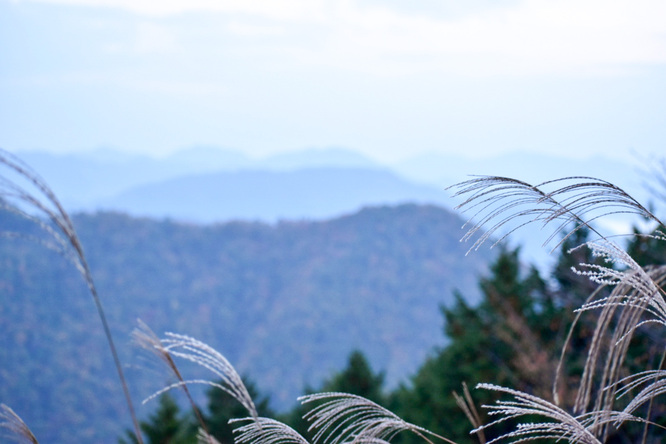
(466, 404)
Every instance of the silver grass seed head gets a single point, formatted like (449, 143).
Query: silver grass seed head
(265, 431)
(19, 431)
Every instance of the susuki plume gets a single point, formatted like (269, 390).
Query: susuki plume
(343, 417)
(637, 293)
(25, 193)
(265, 431)
(148, 340)
(561, 425)
(20, 432)
(193, 350)
(500, 202)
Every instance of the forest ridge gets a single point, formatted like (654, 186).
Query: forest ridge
(286, 303)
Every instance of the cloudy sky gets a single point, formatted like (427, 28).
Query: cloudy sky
(389, 78)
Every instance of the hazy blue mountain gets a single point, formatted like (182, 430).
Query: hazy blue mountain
(328, 157)
(82, 180)
(313, 193)
(201, 159)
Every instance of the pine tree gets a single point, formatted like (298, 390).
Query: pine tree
(166, 426)
(357, 378)
(509, 338)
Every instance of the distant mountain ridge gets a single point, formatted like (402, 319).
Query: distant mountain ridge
(82, 180)
(109, 179)
(308, 193)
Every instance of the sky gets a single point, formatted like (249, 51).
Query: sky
(388, 78)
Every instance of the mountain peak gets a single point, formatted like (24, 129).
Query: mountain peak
(313, 157)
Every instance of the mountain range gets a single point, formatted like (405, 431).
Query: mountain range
(311, 193)
(114, 180)
(212, 185)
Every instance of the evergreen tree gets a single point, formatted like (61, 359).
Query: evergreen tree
(166, 426)
(511, 338)
(357, 378)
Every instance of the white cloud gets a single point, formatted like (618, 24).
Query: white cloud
(245, 29)
(569, 37)
(154, 38)
(125, 80)
(280, 10)
(533, 37)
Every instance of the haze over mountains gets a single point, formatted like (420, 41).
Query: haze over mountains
(208, 184)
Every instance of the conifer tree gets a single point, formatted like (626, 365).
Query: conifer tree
(166, 426)
(507, 338)
(357, 378)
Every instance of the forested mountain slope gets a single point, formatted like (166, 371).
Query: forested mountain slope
(285, 303)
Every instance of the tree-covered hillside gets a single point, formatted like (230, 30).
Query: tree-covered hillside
(285, 303)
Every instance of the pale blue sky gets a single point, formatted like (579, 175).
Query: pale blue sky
(388, 78)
